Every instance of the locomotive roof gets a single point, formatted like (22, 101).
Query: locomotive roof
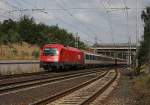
(53, 45)
(73, 49)
(62, 46)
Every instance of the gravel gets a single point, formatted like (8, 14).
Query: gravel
(26, 96)
(122, 94)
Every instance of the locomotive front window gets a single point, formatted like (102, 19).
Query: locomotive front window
(51, 51)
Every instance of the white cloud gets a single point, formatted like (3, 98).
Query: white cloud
(2, 5)
(83, 17)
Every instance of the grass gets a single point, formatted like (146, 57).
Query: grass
(141, 87)
(18, 51)
(141, 84)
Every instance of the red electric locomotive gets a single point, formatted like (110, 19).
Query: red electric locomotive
(57, 56)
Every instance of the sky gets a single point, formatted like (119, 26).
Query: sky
(101, 21)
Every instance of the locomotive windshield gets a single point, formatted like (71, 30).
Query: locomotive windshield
(51, 51)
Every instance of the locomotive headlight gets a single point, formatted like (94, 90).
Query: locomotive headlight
(49, 59)
(53, 59)
(56, 59)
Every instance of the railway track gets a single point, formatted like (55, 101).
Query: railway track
(3, 77)
(13, 79)
(82, 94)
(23, 77)
(16, 85)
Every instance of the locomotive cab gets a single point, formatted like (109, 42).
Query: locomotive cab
(50, 54)
(49, 57)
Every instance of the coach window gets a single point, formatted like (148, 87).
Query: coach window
(94, 57)
(98, 58)
(90, 57)
(104, 59)
(87, 56)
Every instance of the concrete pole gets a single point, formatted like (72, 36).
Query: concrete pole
(130, 53)
(137, 30)
(76, 41)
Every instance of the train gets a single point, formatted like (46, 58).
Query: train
(60, 57)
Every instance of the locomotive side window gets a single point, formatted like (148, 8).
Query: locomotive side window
(51, 51)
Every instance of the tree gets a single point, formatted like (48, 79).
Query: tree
(27, 30)
(144, 52)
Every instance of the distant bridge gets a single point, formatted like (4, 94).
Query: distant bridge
(122, 50)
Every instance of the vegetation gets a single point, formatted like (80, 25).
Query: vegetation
(19, 51)
(144, 51)
(27, 30)
(141, 90)
(141, 82)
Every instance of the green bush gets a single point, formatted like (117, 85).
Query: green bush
(36, 53)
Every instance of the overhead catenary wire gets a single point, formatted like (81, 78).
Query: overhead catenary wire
(66, 23)
(129, 35)
(11, 5)
(77, 8)
(10, 15)
(72, 15)
(19, 4)
(61, 20)
(109, 20)
(127, 16)
(63, 7)
(17, 9)
(28, 3)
